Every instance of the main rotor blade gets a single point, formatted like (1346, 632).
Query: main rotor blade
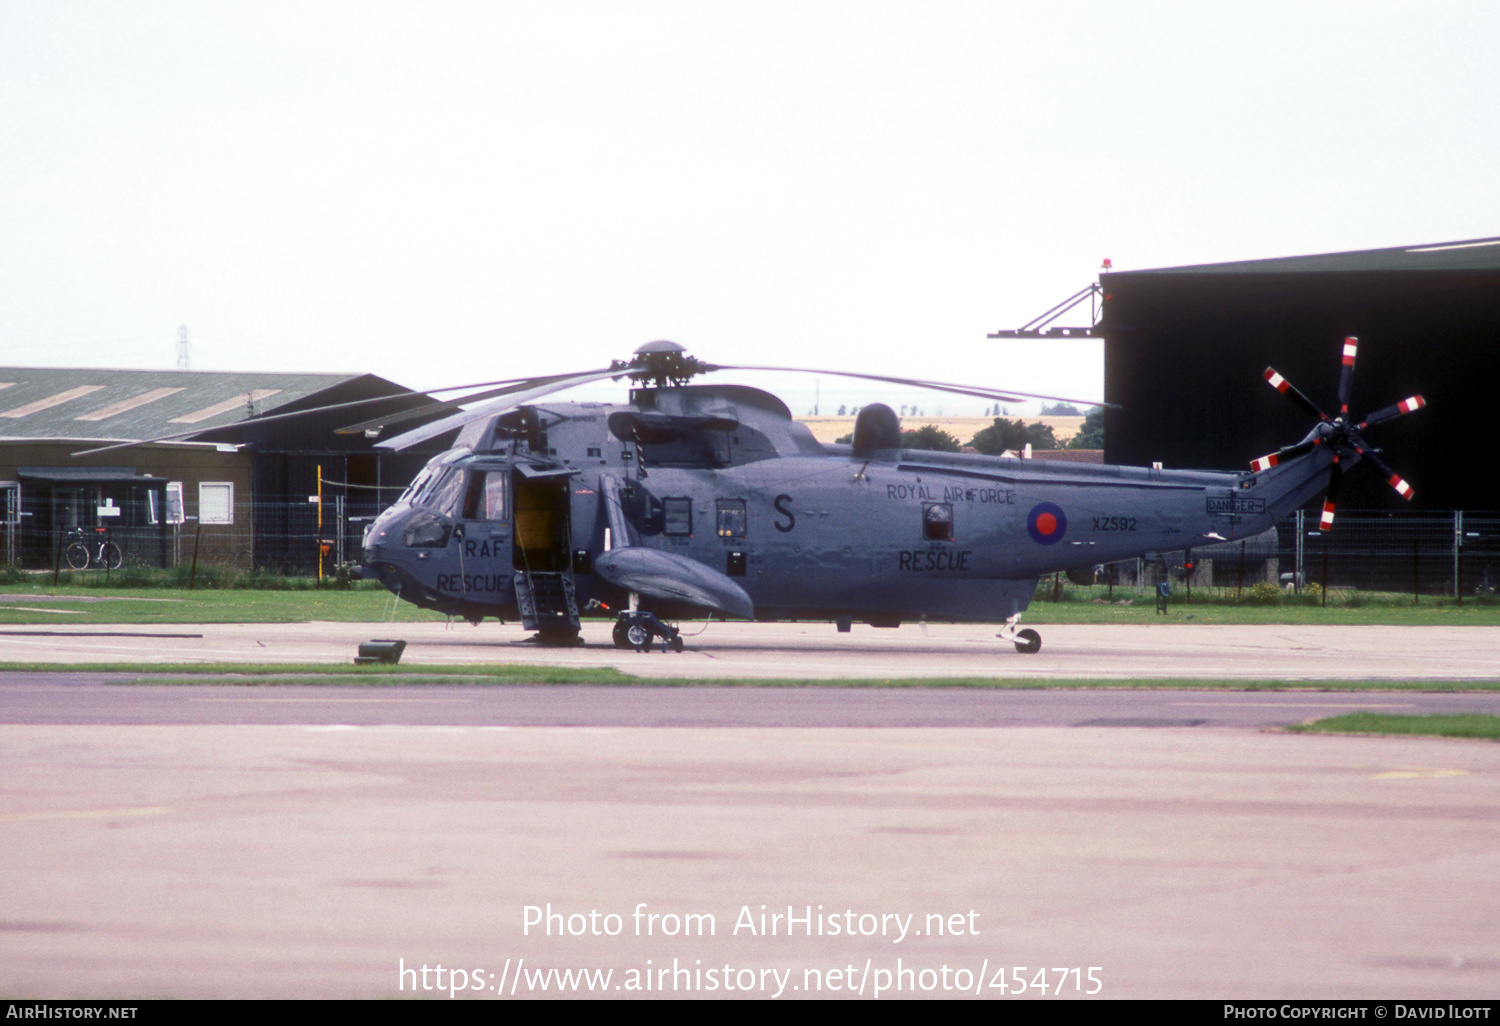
(1392, 478)
(1325, 522)
(507, 401)
(1408, 405)
(1346, 374)
(272, 418)
(1293, 393)
(979, 392)
(504, 388)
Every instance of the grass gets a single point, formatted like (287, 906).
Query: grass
(347, 673)
(1471, 725)
(271, 674)
(1263, 603)
(141, 596)
(1426, 615)
(44, 604)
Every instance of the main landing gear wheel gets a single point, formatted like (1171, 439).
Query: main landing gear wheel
(1028, 641)
(639, 629)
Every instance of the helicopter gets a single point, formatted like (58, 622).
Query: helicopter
(694, 500)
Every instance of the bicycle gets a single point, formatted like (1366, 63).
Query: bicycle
(81, 554)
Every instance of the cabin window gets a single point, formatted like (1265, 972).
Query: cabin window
(677, 516)
(937, 521)
(732, 518)
(485, 498)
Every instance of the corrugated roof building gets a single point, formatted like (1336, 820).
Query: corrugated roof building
(249, 450)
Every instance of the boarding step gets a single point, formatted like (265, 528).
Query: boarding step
(547, 601)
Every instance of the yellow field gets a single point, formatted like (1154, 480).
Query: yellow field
(829, 429)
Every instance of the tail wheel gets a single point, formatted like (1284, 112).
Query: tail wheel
(1028, 641)
(113, 557)
(77, 556)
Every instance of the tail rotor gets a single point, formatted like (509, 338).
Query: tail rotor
(1340, 432)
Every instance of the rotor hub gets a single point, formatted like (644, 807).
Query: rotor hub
(662, 363)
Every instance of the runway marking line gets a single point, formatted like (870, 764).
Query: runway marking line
(24, 817)
(1419, 773)
(1302, 705)
(382, 699)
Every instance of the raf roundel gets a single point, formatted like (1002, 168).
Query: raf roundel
(1046, 523)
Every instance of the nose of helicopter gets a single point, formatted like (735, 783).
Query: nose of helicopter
(381, 548)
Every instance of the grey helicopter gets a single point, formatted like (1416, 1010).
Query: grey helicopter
(709, 500)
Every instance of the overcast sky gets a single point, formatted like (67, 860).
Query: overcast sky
(443, 192)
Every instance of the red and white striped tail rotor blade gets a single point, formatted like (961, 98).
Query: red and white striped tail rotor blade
(1395, 480)
(1407, 405)
(1346, 373)
(1325, 519)
(1282, 455)
(1331, 500)
(1293, 393)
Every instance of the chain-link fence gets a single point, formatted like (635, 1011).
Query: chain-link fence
(1442, 554)
(1454, 554)
(285, 538)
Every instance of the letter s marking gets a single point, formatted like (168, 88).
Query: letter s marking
(791, 519)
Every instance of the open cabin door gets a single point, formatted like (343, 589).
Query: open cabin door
(542, 551)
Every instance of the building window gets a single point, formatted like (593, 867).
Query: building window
(175, 509)
(216, 502)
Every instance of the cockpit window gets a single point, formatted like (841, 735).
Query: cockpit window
(418, 483)
(426, 531)
(438, 472)
(444, 493)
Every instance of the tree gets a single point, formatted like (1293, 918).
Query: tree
(929, 437)
(1061, 410)
(1091, 434)
(1013, 435)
